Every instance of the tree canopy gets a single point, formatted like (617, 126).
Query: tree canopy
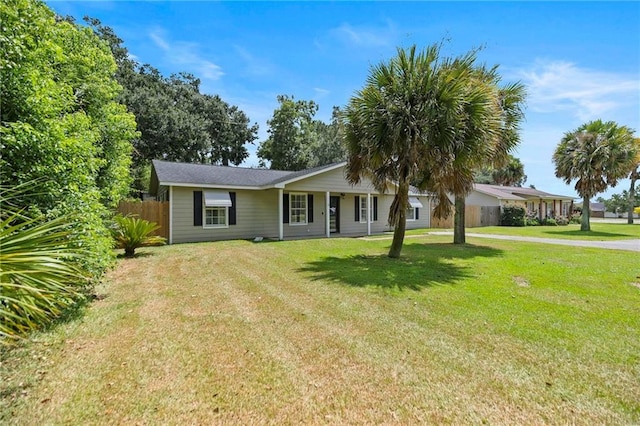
(176, 121)
(619, 203)
(61, 125)
(595, 155)
(297, 141)
(512, 174)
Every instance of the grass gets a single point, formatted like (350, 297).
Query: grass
(599, 231)
(332, 331)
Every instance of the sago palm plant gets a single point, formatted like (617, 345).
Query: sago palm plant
(39, 273)
(131, 233)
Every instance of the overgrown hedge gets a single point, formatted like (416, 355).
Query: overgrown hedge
(512, 216)
(62, 130)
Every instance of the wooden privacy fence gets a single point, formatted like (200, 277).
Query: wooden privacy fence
(153, 211)
(474, 216)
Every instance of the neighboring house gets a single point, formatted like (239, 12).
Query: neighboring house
(597, 209)
(208, 203)
(537, 203)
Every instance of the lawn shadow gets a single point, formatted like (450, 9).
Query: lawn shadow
(579, 233)
(420, 266)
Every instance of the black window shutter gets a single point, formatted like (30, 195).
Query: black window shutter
(232, 209)
(310, 208)
(285, 208)
(375, 209)
(197, 208)
(357, 209)
(417, 213)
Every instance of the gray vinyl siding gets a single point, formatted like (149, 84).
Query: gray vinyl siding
(256, 215)
(349, 226)
(257, 212)
(333, 181)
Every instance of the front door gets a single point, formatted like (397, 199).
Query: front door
(334, 214)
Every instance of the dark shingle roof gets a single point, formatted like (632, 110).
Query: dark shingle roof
(206, 174)
(168, 172)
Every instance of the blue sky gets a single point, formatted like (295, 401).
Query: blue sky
(579, 60)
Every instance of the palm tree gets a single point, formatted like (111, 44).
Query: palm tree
(491, 131)
(510, 175)
(402, 122)
(40, 276)
(595, 154)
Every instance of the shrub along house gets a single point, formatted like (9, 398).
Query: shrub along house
(208, 203)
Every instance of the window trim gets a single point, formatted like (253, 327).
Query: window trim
(304, 196)
(219, 226)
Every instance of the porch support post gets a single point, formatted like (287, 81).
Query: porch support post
(540, 209)
(327, 214)
(280, 214)
(170, 215)
(368, 214)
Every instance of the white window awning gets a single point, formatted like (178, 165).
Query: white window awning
(415, 203)
(217, 199)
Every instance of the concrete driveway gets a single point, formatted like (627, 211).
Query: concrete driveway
(630, 245)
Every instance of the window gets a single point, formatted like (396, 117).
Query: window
(363, 208)
(297, 209)
(215, 217)
(411, 213)
(216, 209)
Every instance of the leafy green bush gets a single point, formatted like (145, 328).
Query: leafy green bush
(131, 233)
(62, 126)
(562, 221)
(575, 219)
(40, 270)
(549, 222)
(512, 216)
(532, 221)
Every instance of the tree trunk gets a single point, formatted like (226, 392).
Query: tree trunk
(458, 221)
(398, 236)
(586, 214)
(399, 207)
(632, 196)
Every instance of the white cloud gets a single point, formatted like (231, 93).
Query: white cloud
(186, 55)
(365, 36)
(320, 92)
(557, 86)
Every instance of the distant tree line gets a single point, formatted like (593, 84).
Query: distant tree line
(175, 120)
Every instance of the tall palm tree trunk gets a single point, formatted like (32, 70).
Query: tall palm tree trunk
(399, 213)
(632, 195)
(398, 236)
(458, 221)
(586, 214)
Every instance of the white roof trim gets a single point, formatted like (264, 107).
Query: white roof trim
(217, 199)
(212, 186)
(415, 203)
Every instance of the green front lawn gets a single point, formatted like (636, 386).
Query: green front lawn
(333, 331)
(599, 231)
